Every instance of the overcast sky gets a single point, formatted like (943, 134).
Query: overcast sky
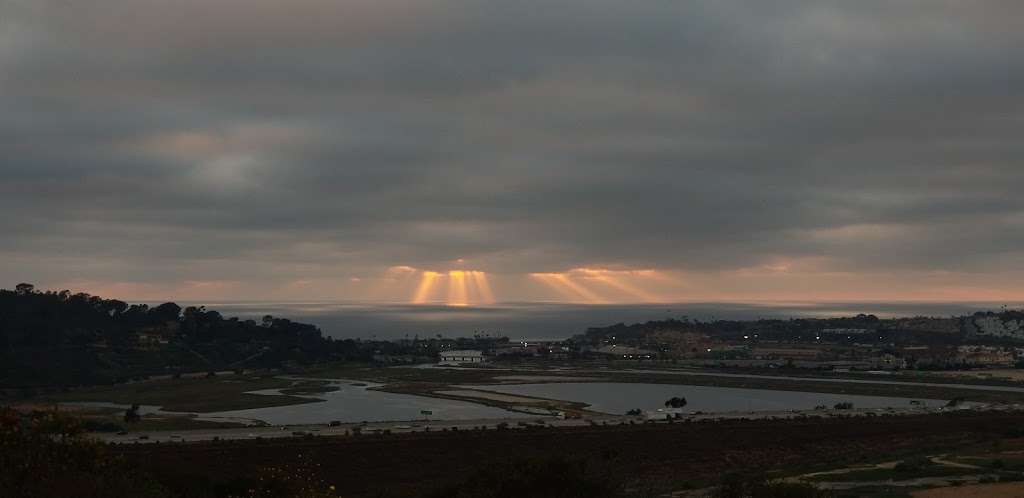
(569, 150)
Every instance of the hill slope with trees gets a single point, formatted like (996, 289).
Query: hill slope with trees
(59, 338)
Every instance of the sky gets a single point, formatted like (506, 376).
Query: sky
(461, 152)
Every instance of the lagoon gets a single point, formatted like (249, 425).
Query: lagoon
(618, 398)
(358, 403)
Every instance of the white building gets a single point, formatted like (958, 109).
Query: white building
(460, 356)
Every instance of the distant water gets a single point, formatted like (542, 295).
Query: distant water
(357, 403)
(617, 398)
(554, 321)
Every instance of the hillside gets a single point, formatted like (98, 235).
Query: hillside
(60, 338)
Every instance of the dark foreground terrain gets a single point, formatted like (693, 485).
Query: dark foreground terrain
(630, 460)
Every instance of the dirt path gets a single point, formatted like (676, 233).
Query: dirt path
(844, 470)
(470, 393)
(939, 460)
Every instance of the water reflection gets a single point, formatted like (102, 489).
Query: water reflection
(617, 398)
(357, 403)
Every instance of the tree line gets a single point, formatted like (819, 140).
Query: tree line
(63, 338)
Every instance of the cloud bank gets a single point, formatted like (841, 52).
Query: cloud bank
(263, 149)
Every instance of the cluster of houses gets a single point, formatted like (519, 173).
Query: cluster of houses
(814, 356)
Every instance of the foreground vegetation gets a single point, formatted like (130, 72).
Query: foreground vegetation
(757, 458)
(43, 455)
(617, 460)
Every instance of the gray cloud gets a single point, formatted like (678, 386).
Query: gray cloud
(260, 141)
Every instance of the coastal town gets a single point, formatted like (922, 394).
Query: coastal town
(985, 340)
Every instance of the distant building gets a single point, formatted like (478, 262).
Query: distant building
(889, 361)
(156, 336)
(988, 356)
(999, 325)
(625, 352)
(459, 357)
(846, 331)
(804, 354)
(151, 340)
(544, 349)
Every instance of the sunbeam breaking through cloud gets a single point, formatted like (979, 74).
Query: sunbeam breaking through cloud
(453, 288)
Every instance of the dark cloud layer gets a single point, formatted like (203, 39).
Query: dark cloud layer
(264, 141)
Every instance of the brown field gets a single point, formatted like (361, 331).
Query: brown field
(661, 457)
(1011, 374)
(1000, 490)
(196, 394)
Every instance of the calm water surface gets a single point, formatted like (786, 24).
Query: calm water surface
(357, 403)
(618, 398)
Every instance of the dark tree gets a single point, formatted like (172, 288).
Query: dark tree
(131, 415)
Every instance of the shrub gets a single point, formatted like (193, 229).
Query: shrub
(298, 480)
(44, 455)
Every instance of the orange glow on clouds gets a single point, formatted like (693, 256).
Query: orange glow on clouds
(481, 287)
(626, 287)
(427, 283)
(568, 289)
(777, 279)
(458, 294)
(599, 285)
(454, 288)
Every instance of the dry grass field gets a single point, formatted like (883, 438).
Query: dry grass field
(662, 458)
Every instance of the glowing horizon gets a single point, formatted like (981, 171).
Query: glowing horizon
(453, 288)
(791, 280)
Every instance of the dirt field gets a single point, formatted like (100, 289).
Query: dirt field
(193, 395)
(668, 457)
(1016, 375)
(1000, 490)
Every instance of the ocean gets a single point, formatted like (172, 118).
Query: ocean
(539, 321)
